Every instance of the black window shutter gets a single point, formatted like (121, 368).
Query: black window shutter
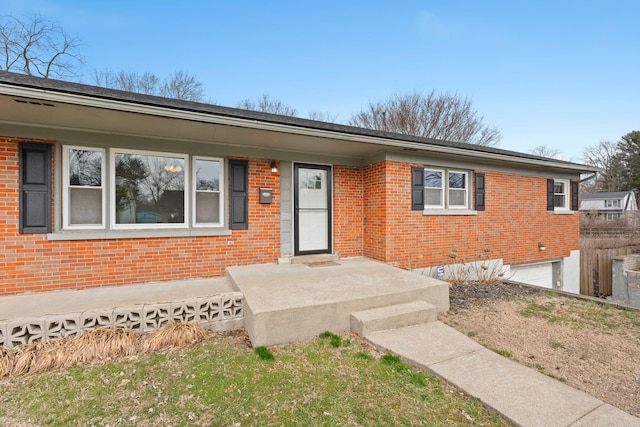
(480, 191)
(35, 188)
(574, 196)
(417, 189)
(239, 194)
(550, 193)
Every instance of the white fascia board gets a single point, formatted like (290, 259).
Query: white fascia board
(90, 101)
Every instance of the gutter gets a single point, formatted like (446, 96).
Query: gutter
(154, 110)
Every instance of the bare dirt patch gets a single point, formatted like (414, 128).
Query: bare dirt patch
(594, 348)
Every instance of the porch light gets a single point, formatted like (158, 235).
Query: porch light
(274, 167)
(542, 247)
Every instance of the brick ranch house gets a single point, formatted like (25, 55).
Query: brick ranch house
(101, 187)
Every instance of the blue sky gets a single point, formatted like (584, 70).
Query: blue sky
(565, 74)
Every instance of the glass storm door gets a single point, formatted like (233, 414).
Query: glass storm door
(312, 209)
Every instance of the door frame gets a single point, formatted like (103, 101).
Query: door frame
(296, 224)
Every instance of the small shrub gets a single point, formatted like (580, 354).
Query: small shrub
(334, 340)
(264, 353)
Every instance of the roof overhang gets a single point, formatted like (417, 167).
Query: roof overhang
(32, 112)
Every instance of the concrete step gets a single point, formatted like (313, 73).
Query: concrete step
(286, 303)
(392, 317)
(315, 259)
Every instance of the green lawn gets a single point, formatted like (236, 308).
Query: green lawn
(329, 381)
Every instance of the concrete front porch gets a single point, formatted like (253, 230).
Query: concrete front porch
(275, 303)
(290, 302)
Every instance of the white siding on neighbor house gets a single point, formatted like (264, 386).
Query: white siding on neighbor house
(588, 205)
(627, 202)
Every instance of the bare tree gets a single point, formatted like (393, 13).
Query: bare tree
(182, 85)
(323, 116)
(606, 156)
(129, 81)
(546, 151)
(38, 47)
(179, 85)
(438, 116)
(268, 105)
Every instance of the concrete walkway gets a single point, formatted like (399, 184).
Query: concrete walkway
(522, 395)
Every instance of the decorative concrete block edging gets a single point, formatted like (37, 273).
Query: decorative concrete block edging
(216, 312)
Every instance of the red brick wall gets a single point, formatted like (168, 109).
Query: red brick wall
(347, 210)
(372, 217)
(31, 263)
(514, 222)
(375, 211)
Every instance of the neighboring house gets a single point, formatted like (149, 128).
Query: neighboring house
(610, 206)
(102, 187)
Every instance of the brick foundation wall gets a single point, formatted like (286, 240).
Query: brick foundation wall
(31, 263)
(514, 222)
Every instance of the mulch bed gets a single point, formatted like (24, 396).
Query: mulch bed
(466, 295)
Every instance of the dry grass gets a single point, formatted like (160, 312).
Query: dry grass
(7, 361)
(95, 346)
(594, 348)
(176, 335)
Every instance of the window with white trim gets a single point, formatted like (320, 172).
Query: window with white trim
(140, 189)
(83, 197)
(612, 216)
(148, 189)
(561, 194)
(433, 188)
(458, 194)
(446, 189)
(207, 203)
(612, 203)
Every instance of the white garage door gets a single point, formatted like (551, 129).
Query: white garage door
(537, 274)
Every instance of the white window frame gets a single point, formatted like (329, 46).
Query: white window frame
(567, 195)
(112, 190)
(445, 190)
(66, 214)
(466, 190)
(220, 191)
(612, 203)
(442, 188)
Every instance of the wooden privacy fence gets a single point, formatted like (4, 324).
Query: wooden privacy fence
(595, 264)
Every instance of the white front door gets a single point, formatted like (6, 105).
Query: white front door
(312, 209)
